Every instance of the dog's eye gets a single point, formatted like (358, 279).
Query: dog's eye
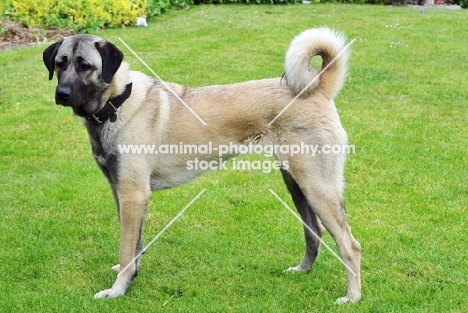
(62, 63)
(85, 67)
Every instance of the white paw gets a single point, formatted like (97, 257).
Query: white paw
(108, 293)
(347, 299)
(295, 269)
(116, 268)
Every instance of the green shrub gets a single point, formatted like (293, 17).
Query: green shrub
(4, 4)
(83, 15)
(91, 15)
(156, 7)
(462, 3)
(245, 1)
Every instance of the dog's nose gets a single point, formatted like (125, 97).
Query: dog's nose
(63, 94)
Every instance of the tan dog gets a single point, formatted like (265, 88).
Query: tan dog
(123, 107)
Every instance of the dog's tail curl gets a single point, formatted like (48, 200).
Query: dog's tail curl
(328, 44)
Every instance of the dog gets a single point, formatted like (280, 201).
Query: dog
(122, 107)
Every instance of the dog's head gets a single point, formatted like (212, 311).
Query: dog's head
(85, 66)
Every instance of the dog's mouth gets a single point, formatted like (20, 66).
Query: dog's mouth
(64, 98)
(79, 104)
(70, 97)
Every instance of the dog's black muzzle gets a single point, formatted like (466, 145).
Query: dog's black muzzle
(63, 95)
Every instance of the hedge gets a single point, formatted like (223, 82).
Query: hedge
(90, 15)
(83, 15)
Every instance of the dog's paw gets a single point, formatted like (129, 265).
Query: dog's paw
(108, 293)
(347, 299)
(116, 268)
(295, 269)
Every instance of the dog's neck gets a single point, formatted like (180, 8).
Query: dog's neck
(109, 111)
(118, 83)
(113, 97)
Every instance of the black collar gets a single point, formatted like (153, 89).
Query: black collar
(109, 111)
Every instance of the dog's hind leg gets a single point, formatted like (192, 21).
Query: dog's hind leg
(314, 230)
(320, 178)
(328, 204)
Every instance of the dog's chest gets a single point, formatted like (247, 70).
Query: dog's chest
(108, 164)
(105, 158)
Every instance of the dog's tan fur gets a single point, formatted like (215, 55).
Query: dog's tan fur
(237, 113)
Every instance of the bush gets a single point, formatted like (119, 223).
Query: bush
(245, 1)
(462, 3)
(91, 15)
(83, 15)
(157, 7)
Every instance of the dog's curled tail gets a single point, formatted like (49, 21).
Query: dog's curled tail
(328, 44)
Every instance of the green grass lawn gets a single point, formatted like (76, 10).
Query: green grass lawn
(405, 109)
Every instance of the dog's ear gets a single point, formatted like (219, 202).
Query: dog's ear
(48, 56)
(111, 59)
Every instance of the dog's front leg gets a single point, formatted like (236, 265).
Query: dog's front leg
(133, 201)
